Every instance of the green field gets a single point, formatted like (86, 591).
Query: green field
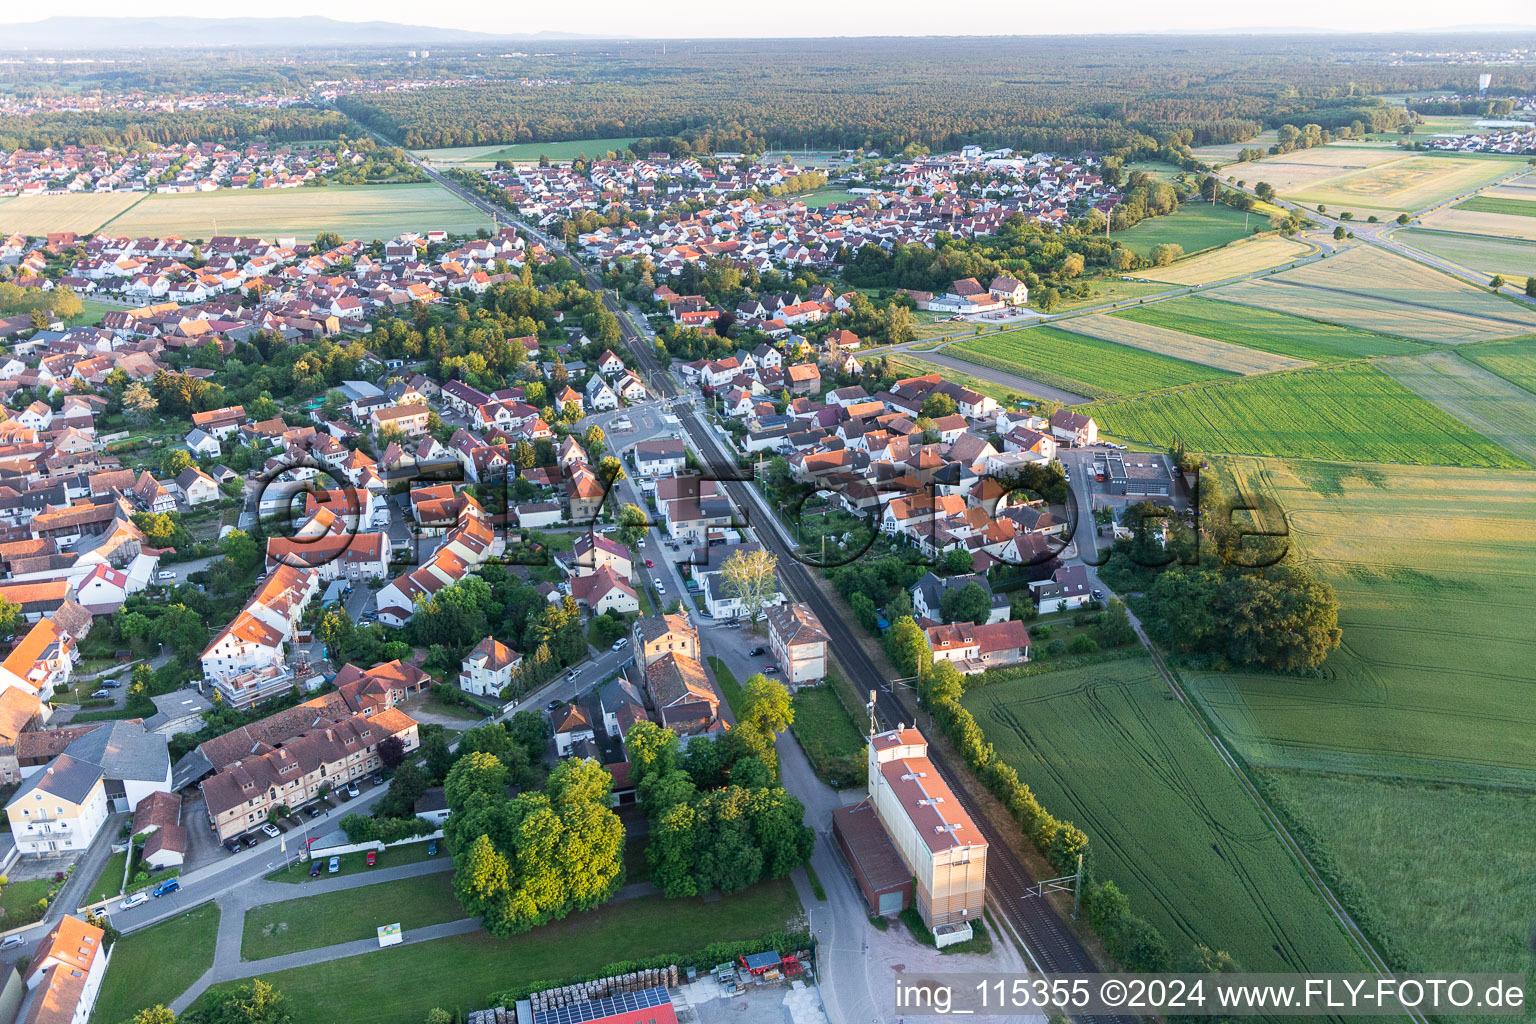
(345, 915)
(526, 152)
(1106, 290)
(362, 211)
(156, 965)
(1493, 204)
(1195, 226)
(1494, 407)
(1104, 747)
(1442, 898)
(1269, 331)
(1515, 361)
(1436, 576)
(1086, 365)
(1422, 719)
(831, 740)
(399, 985)
(1350, 412)
(1512, 257)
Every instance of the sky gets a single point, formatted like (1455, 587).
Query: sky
(711, 18)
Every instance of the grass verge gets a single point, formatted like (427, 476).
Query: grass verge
(158, 964)
(346, 915)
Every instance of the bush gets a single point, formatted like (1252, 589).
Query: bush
(361, 829)
(1082, 644)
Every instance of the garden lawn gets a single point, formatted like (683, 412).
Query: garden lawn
(1347, 412)
(400, 984)
(1195, 226)
(734, 694)
(346, 915)
(828, 735)
(1104, 747)
(1269, 331)
(158, 964)
(110, 882)
(1086, 365)
(18, 900)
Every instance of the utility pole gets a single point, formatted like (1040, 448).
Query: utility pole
(1077, 887)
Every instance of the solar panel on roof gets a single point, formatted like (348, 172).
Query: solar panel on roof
(608, 1006)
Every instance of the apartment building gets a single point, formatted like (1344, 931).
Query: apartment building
(246, 661)
(60, 808)
(241, 795)
(798, 642)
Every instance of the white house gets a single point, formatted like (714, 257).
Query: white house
(487, 670)
(59, 808)
(572, 726)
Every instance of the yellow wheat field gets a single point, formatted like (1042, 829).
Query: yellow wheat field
(1245, 257)
(82, 213)
(1499, 225)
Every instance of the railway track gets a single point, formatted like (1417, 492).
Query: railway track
(1048, 941)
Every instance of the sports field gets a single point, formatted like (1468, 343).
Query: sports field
(1242, 257)
(1515, 361)
(1436, 577)
(1498, 225)
(1511, 257)
(1178, 345)
(1348, 412)
(1376, 290)
(1496, 204)
(1085, 365)
(1103, 747)
(1268, 330)
(1195, 226)
(1445, 898)
(826, 197)
(84, 213)
(1403, 185)
(524, 152)
(364, 211)
(1484, 401)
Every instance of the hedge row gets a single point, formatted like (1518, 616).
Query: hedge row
(1129, 938)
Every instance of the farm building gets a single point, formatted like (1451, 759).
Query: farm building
(878, 870)
(941, 847)
(648, 1006)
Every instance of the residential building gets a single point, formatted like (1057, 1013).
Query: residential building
(240, 796)
(661, 457)
(64, 975)
(487, 670)
(1073, 428)
(59, 808)
(1069, 587)
(928, 596)
(622, 706)
(658, 636)
(572, 725)
(798, 643)
(685, 699)
(246, 661)
(975, 648)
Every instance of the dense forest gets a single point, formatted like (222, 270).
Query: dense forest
(130, 128)
(887, 94)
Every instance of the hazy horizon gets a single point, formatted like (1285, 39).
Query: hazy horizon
(696, 19)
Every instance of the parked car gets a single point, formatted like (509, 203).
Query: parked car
(12, 941)
(432, 848)
(770, 668)
(251, 838)
(334, 866)
(138, 899)
(167, 887)
(650, 564)
(757, 652)
(165, 574)
(372, 858)
(314, 811)
(111, 684)
(271, 830)
(232, 845)
(352, 790)
(661, 588)
(1098, 595)
(620, 643)
(552, 705)
(314, 869)
(101, 694)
